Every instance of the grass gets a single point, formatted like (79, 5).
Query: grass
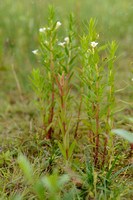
(20, 121)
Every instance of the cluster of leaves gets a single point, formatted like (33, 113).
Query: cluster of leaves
(53, 85)
(98, 84)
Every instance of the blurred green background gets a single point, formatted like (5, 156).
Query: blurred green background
(20, 21)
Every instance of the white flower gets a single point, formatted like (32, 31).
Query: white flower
(66, 39)
(46, 42)
(62, 44)
(35, 51)
(132, 79)
(94, 44)
(48, 28)
(58, 24)
(42, 30)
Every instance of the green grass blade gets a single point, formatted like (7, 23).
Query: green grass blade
(109, 173)
(125, 168)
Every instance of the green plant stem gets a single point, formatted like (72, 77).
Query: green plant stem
(43, 115)
(93, 133)
(97, 119)
(52, 105)
(63, 109)
(69, 58)
(61, 89)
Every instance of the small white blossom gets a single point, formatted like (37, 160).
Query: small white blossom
(132, 79)
(62, 44)
(35, 51)
(48, 28)
(58, 24)
(42, 30)
(94, 44)
(66, 39)
(46, 42)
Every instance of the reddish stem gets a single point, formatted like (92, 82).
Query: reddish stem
(78, 121)
(93, 143)
(66, 154)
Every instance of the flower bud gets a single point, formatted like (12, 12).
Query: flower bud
(58, 24)
(66, 39)
(62, 44)
(42, 30)
(35, 52)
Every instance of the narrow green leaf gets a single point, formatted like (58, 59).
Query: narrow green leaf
(71, 61)
(125, 168)
(71, 148)
(103, 47)
(113, 165)
(62, 150)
